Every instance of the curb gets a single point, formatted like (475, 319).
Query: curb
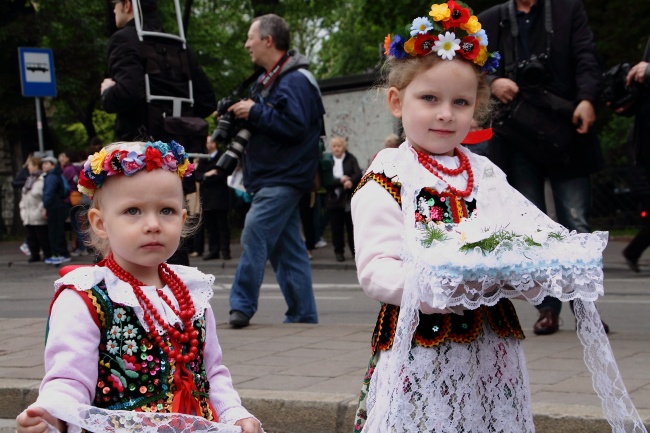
(298, 412)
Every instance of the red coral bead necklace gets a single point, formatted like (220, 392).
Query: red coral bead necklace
(185, 311)
(436, 168)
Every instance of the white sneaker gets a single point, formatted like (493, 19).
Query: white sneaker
(25, 249)
(320, 244)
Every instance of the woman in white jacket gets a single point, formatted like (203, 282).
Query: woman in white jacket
(31, 212)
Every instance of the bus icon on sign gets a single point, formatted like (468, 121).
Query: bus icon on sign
(37, 67)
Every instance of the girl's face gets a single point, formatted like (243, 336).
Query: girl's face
(142, 217)
(338, 148)
(437, 107)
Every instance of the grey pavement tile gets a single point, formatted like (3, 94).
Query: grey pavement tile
(283, 361)
(322, 368)
(641, 398)
(548, 377)
(567, 398)
(270, 346)
(335, 344)
(575, 365)
(285, 383)
(577, 384)
(36, 372)
(21, 359)
(251, 370)
(239, 382)
(242, 356)
(359, 355)
(350, 384)
(305, 353)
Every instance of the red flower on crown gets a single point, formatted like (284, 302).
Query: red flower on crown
(153, 158)
(459, 15)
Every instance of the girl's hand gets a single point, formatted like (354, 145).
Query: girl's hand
(248, 425)
(35, 420)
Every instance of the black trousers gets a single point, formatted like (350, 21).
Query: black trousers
(218, 227)
(341, 223)
(38, 239)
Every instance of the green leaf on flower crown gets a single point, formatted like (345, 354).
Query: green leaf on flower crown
(556, 236)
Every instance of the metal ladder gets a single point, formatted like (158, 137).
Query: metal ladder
(177, 102)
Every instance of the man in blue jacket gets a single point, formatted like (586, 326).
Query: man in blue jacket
(285, 115)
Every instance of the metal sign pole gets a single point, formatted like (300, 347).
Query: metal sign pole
(39, 125)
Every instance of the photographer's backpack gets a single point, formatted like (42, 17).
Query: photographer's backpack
(168, 86)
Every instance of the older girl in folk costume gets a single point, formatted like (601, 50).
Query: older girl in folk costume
(443, 242)
(132, 341)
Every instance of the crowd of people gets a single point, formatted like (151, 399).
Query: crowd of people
(405, 221)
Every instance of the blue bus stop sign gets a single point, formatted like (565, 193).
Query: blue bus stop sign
(37, 72)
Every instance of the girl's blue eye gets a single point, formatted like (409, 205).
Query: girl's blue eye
(132, 211)
(167, 211)
(461, 102)
(429, 98)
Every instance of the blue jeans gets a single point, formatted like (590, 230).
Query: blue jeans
(272, 232)
(571, 196)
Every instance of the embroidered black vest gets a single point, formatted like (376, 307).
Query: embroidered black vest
(133, 372)
(433, 329)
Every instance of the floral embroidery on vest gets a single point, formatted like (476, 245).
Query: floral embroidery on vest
(133, 372)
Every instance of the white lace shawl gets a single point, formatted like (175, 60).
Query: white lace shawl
(565, 265)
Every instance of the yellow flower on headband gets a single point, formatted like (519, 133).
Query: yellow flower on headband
(181, 169)
(482, 56)
(472, 25)
(97, 161)
(440, 12)
(409, 46)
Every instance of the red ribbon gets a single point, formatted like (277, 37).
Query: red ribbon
(186, 395)
(475, 137)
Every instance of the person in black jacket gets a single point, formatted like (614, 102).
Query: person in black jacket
(640, 74)
(214, 193)
(124, 92)
(347, 175)
(56, 210)
(547, 47)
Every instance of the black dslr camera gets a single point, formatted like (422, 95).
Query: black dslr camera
(533, 70)
(615, 92)
(232, 132)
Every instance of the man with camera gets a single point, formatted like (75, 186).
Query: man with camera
(545, 88)
(284, 114)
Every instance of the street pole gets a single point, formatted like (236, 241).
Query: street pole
(39, 125)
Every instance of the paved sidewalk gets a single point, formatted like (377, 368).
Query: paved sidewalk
(299, 378)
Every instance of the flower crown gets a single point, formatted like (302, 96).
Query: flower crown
(462, 35)
(128, 159)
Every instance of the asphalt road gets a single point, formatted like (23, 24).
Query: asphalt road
(26, 290)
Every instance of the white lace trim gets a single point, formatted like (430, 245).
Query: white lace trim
(442, 276)
(476, 387)
(93, 419)
(198, 284)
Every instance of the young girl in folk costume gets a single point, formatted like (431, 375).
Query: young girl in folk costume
(443, 242)
(132, 341)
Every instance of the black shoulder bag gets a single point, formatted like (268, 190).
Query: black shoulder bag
(540, 122)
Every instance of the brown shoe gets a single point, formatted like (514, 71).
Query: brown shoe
(547, 323)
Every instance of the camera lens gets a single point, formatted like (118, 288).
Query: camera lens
(222, 133)
(229, 160)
